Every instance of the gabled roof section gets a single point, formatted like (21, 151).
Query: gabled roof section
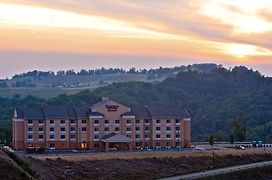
(71, 113)
(33, 113)
(96, 114)
(140, 112)
(82, 112)
(18, 113)
(56, 112)
(166, 112)
(113, 137)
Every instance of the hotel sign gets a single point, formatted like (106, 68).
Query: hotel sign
(112, 108)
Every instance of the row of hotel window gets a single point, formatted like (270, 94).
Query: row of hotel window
(96, 129)
(138, 145)
(158, 121)
(96, 137)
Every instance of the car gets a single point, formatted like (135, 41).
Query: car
(241, 147)
(199, 149)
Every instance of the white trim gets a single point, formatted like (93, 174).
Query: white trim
(186, 119)
(129, 117)
(95, 117)
(18, 120)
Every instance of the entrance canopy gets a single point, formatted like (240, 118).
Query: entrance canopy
(116, 138)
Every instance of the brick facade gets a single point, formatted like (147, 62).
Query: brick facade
(84, 128)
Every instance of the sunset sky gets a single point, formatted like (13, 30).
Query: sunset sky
(87, 34)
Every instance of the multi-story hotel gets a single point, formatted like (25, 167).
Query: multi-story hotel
(104, 125)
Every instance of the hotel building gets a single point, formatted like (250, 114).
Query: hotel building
(105, 125)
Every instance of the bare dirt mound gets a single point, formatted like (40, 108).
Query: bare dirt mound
(9, 169)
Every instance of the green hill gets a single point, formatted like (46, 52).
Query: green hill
(220, 95)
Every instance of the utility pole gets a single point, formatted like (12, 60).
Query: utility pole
(217, 129)
(264, 135)
(270, 133)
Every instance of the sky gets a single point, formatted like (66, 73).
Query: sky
(87, 34)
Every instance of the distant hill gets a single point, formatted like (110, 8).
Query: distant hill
(97, 77)
(219, 96)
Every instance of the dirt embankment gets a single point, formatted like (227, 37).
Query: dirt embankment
(138, 168)
(9, 169)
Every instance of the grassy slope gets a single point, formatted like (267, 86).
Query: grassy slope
(252, 174)
(46, 92)
(39, 92)
(138, 168)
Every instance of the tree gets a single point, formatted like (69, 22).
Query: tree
(211, 141)
(239, 129)
(231, 139)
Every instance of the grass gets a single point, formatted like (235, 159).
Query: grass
(39, 92)
(145, 166)
(252, 174)
(25, 166)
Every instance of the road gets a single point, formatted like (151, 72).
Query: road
(219, 171)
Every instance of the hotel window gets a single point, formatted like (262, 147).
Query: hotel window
(158, 121)
(30, 137)
(107, 121)
(158, 144)
(138, 144)
(96, 137)
(62, 121)
(168, 144)
(62, 136)
(52, 145)
(62, 129)
(73, 129)
(52, 136)
(30, 129)
(168, 121)
(107, 129)
(138, 121)
(177, 143)
(40, 129)
(40, 121)
(84, 122)
(96, 121)
(137, 128)
(177, 135)
(52, 121)
(147, 128)
(117, 129)
(73, 136)
(96, 145)
(96, 129)
(128, 135)
(84, 129)
(128, 121)
(168, 128)
(128, 128)
(158, 128)
(177, 121)
(137, 136)
(52, 129)
(117, 121)
(30, 122)
(158, 136)
(72, 121)
(40, 136)
(168, 136)
(146, 136)
(146, 121)
(177, 128)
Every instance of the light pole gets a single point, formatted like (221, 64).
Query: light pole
(264, 135)
(217, 129)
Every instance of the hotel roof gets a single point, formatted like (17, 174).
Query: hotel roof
(63, 112)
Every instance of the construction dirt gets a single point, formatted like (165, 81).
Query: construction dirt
(139, 165)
